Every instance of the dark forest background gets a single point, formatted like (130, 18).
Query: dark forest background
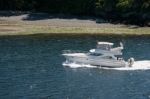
(125, 11)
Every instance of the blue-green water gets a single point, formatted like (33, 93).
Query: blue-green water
(31, 68)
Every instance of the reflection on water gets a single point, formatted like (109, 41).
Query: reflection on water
(31, 68)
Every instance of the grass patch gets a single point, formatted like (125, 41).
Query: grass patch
(28, 28)
(85, 30)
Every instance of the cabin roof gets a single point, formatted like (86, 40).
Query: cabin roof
(105, 43)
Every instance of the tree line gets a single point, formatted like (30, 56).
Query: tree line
(127, 11)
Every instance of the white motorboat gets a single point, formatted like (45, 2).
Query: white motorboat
(104, 55)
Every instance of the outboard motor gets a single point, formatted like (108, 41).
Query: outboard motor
(130, 61)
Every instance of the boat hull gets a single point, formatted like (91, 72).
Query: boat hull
(112, 63)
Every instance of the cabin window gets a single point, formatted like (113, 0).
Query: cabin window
(104, 47)
(108, 57)
(95, 54)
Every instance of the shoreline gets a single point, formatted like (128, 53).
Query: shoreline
(41, 24)
(77, 35)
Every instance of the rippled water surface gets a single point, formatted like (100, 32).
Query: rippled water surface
(31, 68)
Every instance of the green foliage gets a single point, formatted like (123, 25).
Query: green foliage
(124, 5)
(134, 11)
(145, 7)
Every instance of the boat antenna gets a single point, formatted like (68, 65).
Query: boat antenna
(121, 44)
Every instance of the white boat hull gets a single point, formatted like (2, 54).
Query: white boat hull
(112, 63)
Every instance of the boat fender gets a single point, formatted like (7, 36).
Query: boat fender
(130, 61)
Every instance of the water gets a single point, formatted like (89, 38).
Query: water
(31, 68)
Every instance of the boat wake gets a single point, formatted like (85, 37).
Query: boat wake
(138, 65)
(77, 65)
